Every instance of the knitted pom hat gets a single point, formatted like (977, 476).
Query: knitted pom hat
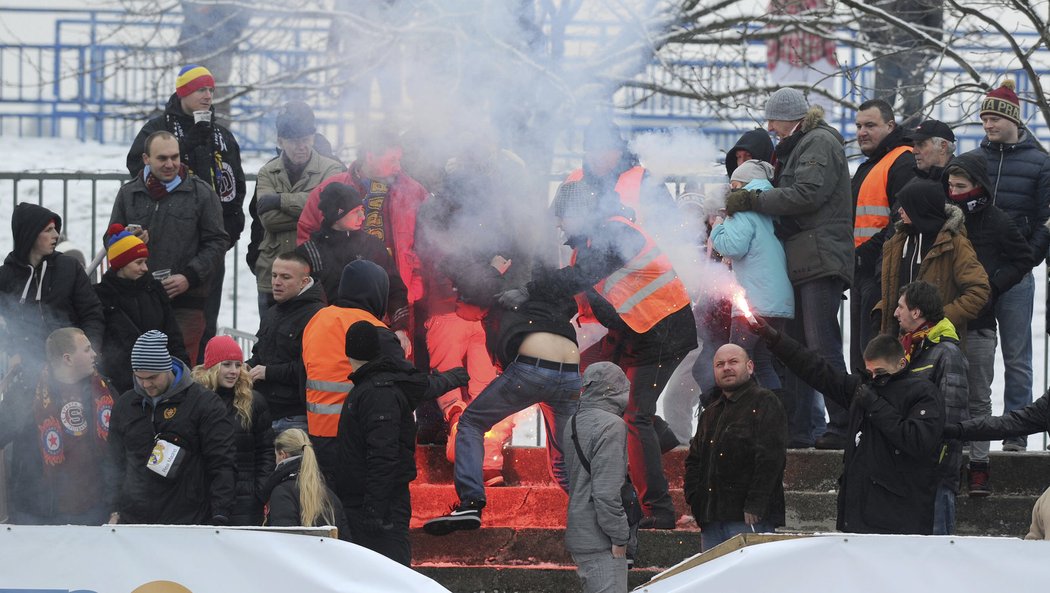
(191, 78)
(150, 352)
(221, 349)
(1003, 102)
(122, 247)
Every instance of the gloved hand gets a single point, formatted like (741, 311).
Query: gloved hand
(740, 200)
(953, 430)
(458, 376)
(513, 298)
(763, 329)
(200, 134)
(865, 395)
(372, 523)
(220, 520)
(267, 202)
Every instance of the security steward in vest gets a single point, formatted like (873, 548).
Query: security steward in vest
(362, 296)
(634, 291)
(889, 167)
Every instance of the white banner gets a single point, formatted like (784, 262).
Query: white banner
(870, 563)
(152, 559)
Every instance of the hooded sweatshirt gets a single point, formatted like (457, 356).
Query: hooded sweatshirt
(923, 202)
(756, 142)
(36, 300)
(596, 518)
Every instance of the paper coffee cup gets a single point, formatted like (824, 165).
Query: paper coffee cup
(201, 116)
(162, 275)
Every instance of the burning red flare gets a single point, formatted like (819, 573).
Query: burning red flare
(741, 303)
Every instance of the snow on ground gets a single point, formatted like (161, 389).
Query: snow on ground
(85, 220)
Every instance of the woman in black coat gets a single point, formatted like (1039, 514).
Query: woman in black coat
(296, 494)
(224, 373)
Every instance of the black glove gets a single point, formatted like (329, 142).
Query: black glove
(220, 520)
(763, 329)
(740, 200)
(513, 298)
(865, 395)
(372, 523)
(953, 431)
(267, 202)
(458, 376)
(200, 134)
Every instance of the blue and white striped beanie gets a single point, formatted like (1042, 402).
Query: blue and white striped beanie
(150, 352)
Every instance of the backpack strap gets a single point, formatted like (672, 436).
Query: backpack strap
(579, 450)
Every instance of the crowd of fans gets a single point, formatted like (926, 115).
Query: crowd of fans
(382, 303)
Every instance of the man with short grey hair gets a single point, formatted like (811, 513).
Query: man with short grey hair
(812, 199)
(934, 147)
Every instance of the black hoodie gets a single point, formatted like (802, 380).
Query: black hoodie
(999, 244)
(364, 285)
(923, 201)
(34, 301)
(756, 142)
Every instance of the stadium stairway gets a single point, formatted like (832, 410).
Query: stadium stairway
(519, 548)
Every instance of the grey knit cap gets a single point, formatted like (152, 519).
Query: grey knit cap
(786, 104)
(150, 352)
(751, 170)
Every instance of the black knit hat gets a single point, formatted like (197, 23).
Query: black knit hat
(336, 200)
(362, 341)
(295, 120)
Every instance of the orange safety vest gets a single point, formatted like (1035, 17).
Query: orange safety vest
(327, 366)
(646, 289)
(873, 204)
(628, 185)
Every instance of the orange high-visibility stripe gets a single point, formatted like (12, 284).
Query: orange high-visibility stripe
(873, 203)
(327, 366)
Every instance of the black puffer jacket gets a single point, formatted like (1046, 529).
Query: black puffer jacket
(187, 415)
(217, 162)
(889, 476)
(34, 301)
(1020, 177)
(254, 458)
(1000, 247)
(281, 493)
(756, 142)
(132, 308)
(901, 172)
(280, 349)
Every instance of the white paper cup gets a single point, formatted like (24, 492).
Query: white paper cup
(201, 116)
(162, 275)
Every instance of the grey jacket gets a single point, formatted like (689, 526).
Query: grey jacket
(596, 519)
(186, 233)
(813, 199)
(279, 226)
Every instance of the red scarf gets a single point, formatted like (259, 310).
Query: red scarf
(157, 189)
(913, 341)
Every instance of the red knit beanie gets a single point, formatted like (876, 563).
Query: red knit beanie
(122, 247)
(1003, 102)
(221, 349)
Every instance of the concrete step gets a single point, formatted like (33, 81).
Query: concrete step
(527, 546)
(806, 470)
(516, 579)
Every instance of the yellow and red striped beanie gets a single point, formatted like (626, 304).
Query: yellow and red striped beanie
(122, 247)
(191, 78)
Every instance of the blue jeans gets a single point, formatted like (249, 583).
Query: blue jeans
(816, 325)
(758, 350)
(519, 387)
(716, 532)
(944, 511)
(1013, 311)
(282, 424)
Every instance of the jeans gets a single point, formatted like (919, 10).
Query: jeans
(599, 572)
(715, 532)
(212, 305)
(944, 511)
(758, 350)
(980, 353)
(392, 540)
(816, 325)
(519, 387)
(1013, 311)
(282, 424)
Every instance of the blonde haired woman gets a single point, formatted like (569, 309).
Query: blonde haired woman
(224, 373)
(296, 494)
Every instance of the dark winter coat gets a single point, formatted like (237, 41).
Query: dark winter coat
(132, 308)
(280, 348)
(377, 431)
(1031, 419)
(187, 415)
(254, 458)
(940, 360)
(612, 244)
(506, 329)
(217, 161)
(756, 142)
(329, 251)
(999, 245)
(812, 199)
(736, 460)
(1020, 177)
(950, 264)
(901, 172)
(281, 493)
(185, 235)
(889, 476)
(56, 293)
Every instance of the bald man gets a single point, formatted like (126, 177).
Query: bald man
(735, 469)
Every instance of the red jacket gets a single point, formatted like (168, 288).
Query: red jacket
(406, 194)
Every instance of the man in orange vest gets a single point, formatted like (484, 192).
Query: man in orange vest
(363, 291)
(890, 165)
(634, 291)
